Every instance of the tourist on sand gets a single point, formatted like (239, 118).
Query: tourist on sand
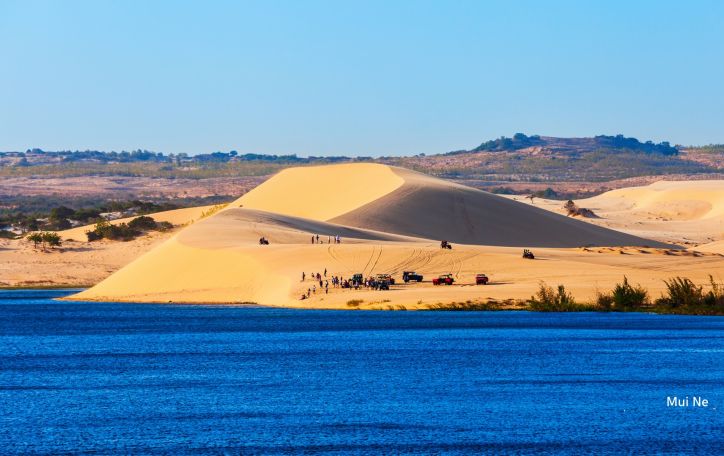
(320, 283)
(312, 239)
(314, 289)
(309, 291)
(303, 276)
(317, 239)
(325, 272)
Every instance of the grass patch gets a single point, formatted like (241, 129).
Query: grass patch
(559, 300)
(683, 296)
(212, 210)
(624, 297)
(354, 302)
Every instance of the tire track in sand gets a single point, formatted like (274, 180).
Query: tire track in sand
(379, 254)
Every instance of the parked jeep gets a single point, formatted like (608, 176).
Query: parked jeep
(411, 276)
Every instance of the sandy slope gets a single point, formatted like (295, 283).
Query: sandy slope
(432, 208)
(218, 259)
(711, 247)
(683, 212)
(78, 262)
(322, 192)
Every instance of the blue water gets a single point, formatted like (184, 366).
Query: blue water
(169, 379)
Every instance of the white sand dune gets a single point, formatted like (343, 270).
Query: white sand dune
(688, 213)
(678, 200)
(388, 228)
(711, 247)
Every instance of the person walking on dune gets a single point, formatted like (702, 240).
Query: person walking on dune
(303, 276)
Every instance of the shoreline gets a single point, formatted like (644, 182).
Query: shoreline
(509, 306)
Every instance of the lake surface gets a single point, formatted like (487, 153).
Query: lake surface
(170, 379)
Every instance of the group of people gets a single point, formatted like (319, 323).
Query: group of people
(315, 240)
(323, 282)
(336, 239)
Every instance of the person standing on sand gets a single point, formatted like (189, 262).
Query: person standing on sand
(314, 289)
(317, 239)
(302, 276)
(312, 239)
(325, 272)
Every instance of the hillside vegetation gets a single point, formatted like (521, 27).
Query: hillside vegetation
(517, 164)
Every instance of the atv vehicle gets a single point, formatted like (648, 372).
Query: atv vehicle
(528, 254)
(481, 279)
(445, 245)
(445, 279)
(385, 277)
(358, 279)
(411, 276)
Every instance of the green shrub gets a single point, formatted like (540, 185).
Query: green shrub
(93, 235)
(559, 300)
(681, 292)
(549, 300)
(121, 232)
(626, 296)
(683, 296)
(604, 301)
(35, 237)
(143, 222)
(164, 226)
(44, 237)
(125, 231)
(50, 238)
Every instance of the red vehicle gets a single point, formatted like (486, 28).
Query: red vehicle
(481, 279)
(445, 279)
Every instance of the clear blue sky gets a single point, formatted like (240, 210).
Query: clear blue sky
(359, 78)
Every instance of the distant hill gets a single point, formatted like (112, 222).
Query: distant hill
(575, 145)
(543, 159)
(518, 164)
